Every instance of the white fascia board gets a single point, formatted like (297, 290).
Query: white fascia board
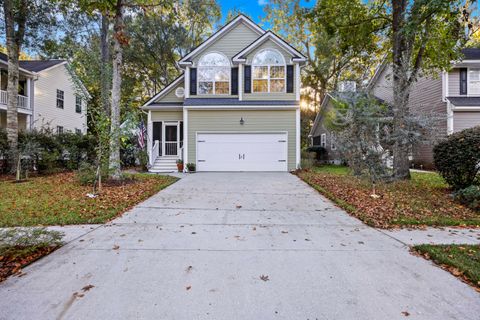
(54, 66)
(465, 108)
(164, 91)
(153, 107)
(279, 41)
(219, 33)
(242, 107)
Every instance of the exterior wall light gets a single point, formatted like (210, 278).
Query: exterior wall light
(242, 121)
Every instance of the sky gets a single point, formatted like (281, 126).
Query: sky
(253, 8)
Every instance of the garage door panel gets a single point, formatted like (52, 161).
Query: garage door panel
(242, 152)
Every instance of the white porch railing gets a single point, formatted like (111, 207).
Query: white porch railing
(171, 148)
(154, 152)
(22, 100)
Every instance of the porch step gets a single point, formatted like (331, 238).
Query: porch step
(164, 164)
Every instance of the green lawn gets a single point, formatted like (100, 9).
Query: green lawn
(59, 199)
(461, 260)
(423, 200)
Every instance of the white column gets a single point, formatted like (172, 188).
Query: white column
(240, 81)
(150, 137)
(297, 137)
(298, 83)
(449, 118)
(185, 137)
(163, 139)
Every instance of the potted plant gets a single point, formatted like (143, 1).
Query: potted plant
(180, 165)
(191, 167)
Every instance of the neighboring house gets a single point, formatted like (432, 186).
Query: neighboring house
(454, 95)
(235, 107)
(50, 96)
(320, 136)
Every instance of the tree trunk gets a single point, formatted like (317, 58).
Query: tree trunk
(14, 39)
(119, 38)
(105, 70)
(401, 90)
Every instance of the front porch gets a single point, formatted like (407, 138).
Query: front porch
(25, 90)
(165, 145)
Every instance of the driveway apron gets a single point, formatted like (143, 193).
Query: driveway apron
(236, 246)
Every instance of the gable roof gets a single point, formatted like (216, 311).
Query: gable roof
(471, 54)
(40, 65)
(297, 56)
(240, 18)
(4, 60)
(164, 91)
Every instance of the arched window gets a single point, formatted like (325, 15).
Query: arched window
(214, 74)
(268, 71)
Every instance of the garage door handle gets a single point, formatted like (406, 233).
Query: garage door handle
(282, 160)
(282, 140)
(201, 160)
(201, 141)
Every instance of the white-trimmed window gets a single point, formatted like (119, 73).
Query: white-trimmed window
(214, 74)
(78, 104)
(323, 140)
(474, 81)
(333, 146)
(268, 72)
(59, 129)
(60, 98)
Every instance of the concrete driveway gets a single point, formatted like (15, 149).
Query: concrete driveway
(236, 246)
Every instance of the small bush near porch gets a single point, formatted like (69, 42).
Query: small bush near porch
(59, 199)
(424, 200)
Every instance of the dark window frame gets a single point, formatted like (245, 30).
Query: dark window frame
(78, 104)
(60, 99)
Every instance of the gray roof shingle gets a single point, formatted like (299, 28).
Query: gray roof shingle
(465, 101)
(471, 53)
(33, 65)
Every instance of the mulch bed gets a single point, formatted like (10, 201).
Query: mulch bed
(399, 204)
(13, 264)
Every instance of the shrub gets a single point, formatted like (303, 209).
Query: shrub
(86, 174)
(321, 153)
(308, 160)
(191, 167)
(470, 196)
(458, 158)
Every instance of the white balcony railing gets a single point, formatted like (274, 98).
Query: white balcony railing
(22, 100)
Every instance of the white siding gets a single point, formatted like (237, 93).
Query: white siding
(46, 113)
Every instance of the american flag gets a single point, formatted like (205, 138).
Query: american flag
(142, 131)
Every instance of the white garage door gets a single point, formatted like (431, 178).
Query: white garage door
(242, 152)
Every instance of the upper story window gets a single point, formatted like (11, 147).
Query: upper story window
(78, 104)
(268, 71)
(474, 81)
(214, 74)
(60, 99)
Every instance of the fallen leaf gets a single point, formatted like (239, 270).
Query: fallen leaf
(188, 287)
(264, 278)
(116, 247)
(88, 287)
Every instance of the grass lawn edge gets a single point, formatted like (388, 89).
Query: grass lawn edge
(448, 263)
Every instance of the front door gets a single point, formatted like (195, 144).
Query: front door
(171, 139)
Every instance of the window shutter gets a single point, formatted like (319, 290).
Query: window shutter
(193, 81)
(234, 81)
(247, 79)
(463, 81)
(289, 79)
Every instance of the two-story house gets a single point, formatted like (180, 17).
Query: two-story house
(235, 107)
(50, 96)
(453, 96)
